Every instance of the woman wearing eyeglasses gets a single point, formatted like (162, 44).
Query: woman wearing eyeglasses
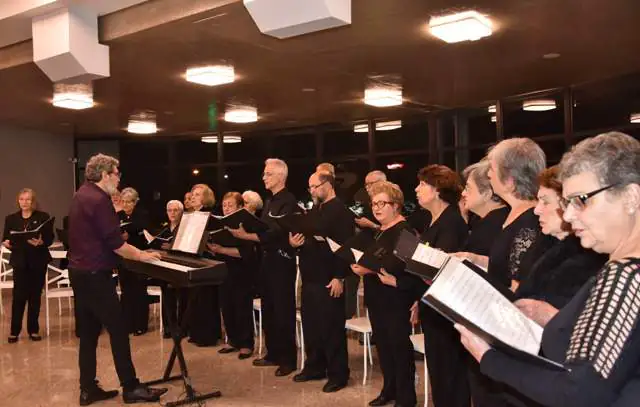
(389, 307)
(595, 336)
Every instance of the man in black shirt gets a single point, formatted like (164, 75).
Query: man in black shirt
(95, 244)
(277, 272)
(322, 273)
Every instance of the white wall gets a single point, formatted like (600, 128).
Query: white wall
(37, 160)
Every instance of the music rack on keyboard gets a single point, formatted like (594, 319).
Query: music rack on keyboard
(181, 271)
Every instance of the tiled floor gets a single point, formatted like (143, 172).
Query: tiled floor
(46, 374)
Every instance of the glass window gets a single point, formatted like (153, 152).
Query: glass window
(345, 142)
(553, 149)
(521, 123)
(196, 152)
(154, 153)
(294, 146)
(411, 136)
(252, 148)
(482, 131)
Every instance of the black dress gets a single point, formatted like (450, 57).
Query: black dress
(205, 322)
(484, 231)
(134, 298)
(446, 358)
(516, 248)
(389, 311)
(29, 269)
(596, 336)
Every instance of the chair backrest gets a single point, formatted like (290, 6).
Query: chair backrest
(5, 268)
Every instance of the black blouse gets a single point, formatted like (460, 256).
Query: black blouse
(139, 219)
(515, 248)
(484, 231)
(558, 275)
(595, 335)
(25, 255)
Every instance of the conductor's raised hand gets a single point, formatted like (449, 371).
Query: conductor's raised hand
(296, 240)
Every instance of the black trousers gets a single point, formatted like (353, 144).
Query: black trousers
(205, 324)
(236, 298)
(325, 339)
(28, 283)
(351, 282)
(447, 360)
(134, 299)
(278, 275)
(389, 316)
(97, 305)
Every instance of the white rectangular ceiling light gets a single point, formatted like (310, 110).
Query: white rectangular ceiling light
(465, 26)
(212, 75)
(290, 18)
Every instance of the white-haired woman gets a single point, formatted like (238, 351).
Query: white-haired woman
(595, 336)
(252, 201)
(514, 166)
(134, 288)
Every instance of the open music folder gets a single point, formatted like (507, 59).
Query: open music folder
(305, 223)
(223, 238)
(461, 295)
(249, 222)
(21, 236)
(362, 249)
(156, 241)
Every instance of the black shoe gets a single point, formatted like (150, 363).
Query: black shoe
(381, 400)
(243, 356)
(331, 387)
(142, 394)
(305, 377)
(285, 371)
(264, 362)
(35, 337)
(13, 339)
(94, 395)
(227, 350)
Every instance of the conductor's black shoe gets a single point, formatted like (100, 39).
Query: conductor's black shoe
(227, 350)
(264, 362)
(142, 394)
(284, 371)
(91, 396)
(305, 377)
(331, 387)
(381, 400)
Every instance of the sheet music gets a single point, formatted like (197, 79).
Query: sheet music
(357, 254)
(333, 245)
(320, 239)
(429, 256)
(192, 226)
(147, 236)
(465, 292)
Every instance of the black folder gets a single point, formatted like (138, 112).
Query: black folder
(305, 223)
(457, 317)
(21, 236)
(374, 257)
(249, 222)
(223, 238)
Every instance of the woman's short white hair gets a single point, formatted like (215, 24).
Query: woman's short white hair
(176, 203)
(252, 198)
(131, 193)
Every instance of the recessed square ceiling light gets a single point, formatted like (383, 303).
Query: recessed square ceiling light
(465, 26)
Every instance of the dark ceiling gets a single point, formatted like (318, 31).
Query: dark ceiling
(596, 40)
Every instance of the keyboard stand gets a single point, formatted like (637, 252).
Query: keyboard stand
(177, 335)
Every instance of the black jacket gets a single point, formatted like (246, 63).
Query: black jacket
(25, 255)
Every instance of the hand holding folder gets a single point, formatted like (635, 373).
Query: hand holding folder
(24, 236)
(362, 250)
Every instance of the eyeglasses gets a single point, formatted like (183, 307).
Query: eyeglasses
(312, 187)
(380, 204)
(579, 202)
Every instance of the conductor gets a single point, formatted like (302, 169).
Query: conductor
(95, 243)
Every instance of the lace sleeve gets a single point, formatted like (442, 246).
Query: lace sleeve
(608, 320)
(522, 242)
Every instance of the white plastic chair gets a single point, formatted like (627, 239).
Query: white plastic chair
(257, 328)
(300, 338)
(156, 291)
(5, 272)
(418, 345)
(57, 292)
(362, 325)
